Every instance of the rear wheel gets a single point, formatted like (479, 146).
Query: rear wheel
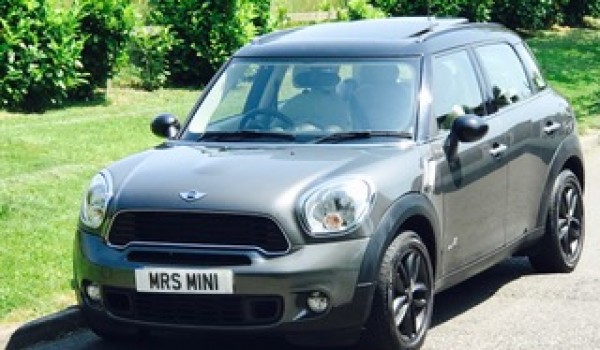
(403, 300)
(562, 243)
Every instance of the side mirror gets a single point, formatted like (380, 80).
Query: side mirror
(165, 125)
(468, 128)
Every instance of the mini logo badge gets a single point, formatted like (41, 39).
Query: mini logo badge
(190, 196)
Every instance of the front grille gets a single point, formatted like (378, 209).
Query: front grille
(198, 228)
(188, 259)
(193, 310)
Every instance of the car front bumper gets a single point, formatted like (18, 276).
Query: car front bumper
(330, 268)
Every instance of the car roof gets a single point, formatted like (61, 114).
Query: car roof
(388, 37)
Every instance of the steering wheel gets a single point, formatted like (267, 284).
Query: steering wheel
(271, 115)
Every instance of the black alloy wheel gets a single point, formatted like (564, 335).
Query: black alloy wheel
(562, 245)
(403, 300)
(410, 294)
(569, 222)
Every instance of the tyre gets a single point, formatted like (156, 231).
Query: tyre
(403, 300)
(562, 243)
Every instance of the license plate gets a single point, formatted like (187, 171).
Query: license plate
(183, 281)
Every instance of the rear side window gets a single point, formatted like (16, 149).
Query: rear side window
(531, 66)
(456, 90)
(505, 73)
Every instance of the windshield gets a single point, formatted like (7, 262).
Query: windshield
(300, 101)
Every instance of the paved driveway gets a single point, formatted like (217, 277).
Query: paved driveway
(510, 307)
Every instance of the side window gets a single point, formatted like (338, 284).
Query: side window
(505, 73)
(456, 91)
(531, 66)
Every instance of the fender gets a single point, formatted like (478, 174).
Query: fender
(570, 147)
(407, 206)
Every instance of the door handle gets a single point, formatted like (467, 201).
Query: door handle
(498, 149)
(551, 127)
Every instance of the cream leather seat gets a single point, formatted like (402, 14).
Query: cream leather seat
(317, 107)
(382, 101)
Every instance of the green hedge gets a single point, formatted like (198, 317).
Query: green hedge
(50, 56)
(359, 9)
(105, 28)
(148, 52)
(524, 14)
(478, 10)
(208, 32)
(527, 14)
(575, 11)
(262, 20)
(40, 53)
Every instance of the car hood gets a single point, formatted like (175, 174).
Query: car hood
(262, 180)
(246, 179)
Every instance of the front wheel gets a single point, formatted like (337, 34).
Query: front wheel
(403, 300)
(562, 243)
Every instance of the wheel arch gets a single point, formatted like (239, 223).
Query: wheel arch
(414, 212)
(568, 156)
(422, 227)
(575, 164)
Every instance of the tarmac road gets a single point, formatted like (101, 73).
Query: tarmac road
(506, 307)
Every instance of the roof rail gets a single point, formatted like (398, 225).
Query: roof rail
(261, 39)
(449, 21)
(457, 25)
(438, 24)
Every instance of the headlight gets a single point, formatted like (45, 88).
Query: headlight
(95, 202)
(336, 207)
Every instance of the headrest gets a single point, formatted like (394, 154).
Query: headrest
(315, 77)
(387, 73)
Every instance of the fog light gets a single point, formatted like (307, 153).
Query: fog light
(317, 302)
(93, 292)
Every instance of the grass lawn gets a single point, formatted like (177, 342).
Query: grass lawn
(47, 160)
(571, 62)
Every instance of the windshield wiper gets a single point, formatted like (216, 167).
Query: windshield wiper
(244, 135)
(356, 135)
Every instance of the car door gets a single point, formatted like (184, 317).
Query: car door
(533, 131)
(472, 182)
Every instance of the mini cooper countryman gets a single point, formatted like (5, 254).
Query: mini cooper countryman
(330, 181)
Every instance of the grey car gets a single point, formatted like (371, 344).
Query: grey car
(330, 181)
